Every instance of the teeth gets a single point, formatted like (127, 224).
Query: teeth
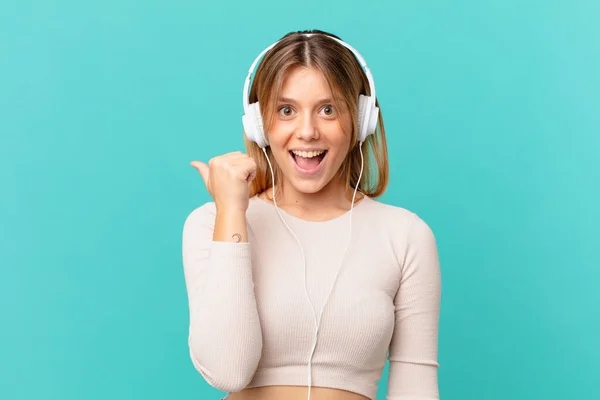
(308, 154)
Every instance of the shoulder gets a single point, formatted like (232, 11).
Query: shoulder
(420, 228)
(402, 223)
(207, 209)
(387, 214)
(202, 216)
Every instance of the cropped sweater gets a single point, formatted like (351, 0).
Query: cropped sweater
(250, 322)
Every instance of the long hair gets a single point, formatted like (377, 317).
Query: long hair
(346, 80)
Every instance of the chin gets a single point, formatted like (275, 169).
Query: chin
(307, 186)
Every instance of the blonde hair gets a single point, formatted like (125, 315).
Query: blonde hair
(346, 80)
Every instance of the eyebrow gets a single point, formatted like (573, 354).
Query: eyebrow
(288, 100)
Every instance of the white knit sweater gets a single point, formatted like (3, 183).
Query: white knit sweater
(252, 325)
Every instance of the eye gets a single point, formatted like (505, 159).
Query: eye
(328, 109)
(287, 111)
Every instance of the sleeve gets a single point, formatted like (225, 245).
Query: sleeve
(225, 338)
(414, 344)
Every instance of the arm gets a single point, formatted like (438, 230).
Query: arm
(225, 338)
(414, 346)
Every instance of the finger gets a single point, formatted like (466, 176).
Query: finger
(244, 168)
(203, 169)
(251, 176)
(250, 170)
(233, 154)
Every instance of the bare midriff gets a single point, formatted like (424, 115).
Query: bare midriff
(294, 393)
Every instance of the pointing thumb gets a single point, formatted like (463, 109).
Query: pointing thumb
(203, 169)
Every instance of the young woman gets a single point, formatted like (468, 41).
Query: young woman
(300, 283)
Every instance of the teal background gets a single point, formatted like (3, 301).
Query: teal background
(493, 122)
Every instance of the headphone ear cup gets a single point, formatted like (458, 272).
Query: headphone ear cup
(373, 117)
(368, 115)
(249, 126)
(362, 103)
(253, 125)
(260, 133)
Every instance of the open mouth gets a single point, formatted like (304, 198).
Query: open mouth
(309, 164)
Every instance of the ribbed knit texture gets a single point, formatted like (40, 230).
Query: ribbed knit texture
(252, 325)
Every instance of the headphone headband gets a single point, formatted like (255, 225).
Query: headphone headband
(360, 59)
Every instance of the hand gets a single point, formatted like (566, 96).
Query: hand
(226, 178)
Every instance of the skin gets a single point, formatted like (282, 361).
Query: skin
(294, 393)
(304, 120)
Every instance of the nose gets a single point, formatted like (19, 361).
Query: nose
(307, 128)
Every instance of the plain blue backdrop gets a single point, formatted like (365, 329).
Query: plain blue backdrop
(492, 115)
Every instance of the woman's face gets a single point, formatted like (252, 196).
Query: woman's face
(307, 137)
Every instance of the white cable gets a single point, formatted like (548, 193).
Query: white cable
(318, 321)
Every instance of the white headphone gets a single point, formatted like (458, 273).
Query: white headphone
(252, 118)
(253, 126)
